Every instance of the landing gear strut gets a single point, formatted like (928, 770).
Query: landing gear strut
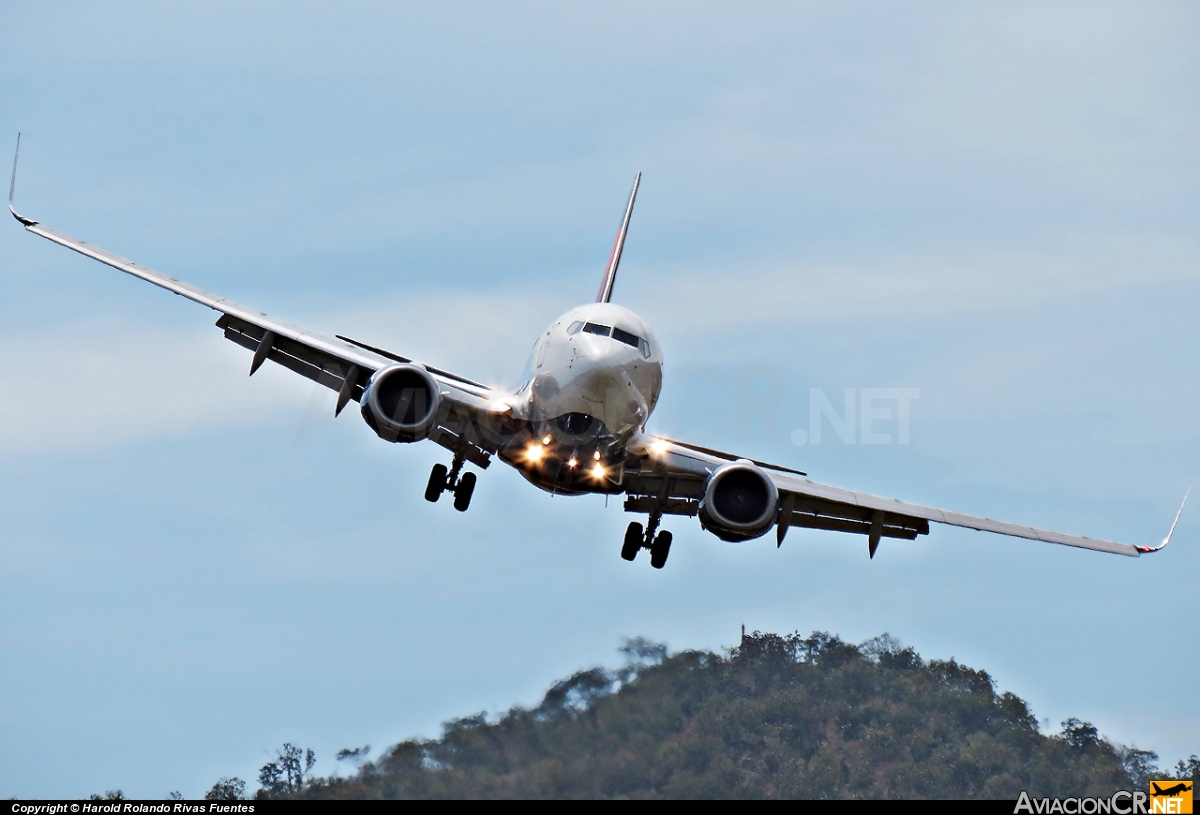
(443, 480)
(637, 539)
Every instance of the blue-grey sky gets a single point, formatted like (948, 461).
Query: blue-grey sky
(993, 203)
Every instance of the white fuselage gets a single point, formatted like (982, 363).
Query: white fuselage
(599, 361)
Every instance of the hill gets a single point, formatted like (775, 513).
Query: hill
(776, 717)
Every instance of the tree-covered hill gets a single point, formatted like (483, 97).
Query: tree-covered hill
(776, 717)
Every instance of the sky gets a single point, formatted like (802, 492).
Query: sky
(992, 205)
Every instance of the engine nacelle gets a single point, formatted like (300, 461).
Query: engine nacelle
(740, 502)
(400, 403)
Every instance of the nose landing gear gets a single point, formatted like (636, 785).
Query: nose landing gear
(443, 480)
(636, 539)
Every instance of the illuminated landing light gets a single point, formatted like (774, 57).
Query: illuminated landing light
(546, 441)
(596, 455)
(658, 447)
(598, 471)
(534, 453)
(572, 462)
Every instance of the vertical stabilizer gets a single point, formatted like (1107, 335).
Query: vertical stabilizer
(614, 260)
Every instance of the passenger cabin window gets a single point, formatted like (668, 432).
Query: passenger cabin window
(574, 327)
(596, 328)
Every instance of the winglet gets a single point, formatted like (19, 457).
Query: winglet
(614, 260)
(1167, 539)
(12, 185)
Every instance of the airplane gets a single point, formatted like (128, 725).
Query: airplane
(1170, 791)
(575, 426)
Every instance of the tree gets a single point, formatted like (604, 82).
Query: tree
(227, 789)
(640, 654)
(1083, 736)
(1140, 765)
(356, 756)
(286, 773)
(1188, 769)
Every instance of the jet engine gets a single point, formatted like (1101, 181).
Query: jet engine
(401, 402)
(740, 502)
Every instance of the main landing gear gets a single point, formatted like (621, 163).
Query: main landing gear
(636, 539)
(443, 480)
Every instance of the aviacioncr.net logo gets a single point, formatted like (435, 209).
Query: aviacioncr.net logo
(1164, 798)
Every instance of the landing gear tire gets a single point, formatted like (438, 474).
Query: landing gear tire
(633, 541)
(660, 550)
(462, 493)
(437, 483)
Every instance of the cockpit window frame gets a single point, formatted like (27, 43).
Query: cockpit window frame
(597, 329)
(612, 332)
(629, 338)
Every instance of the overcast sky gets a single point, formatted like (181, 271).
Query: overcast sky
(994, 204)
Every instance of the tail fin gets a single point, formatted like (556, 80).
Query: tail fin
(614, 260)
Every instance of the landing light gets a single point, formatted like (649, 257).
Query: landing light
(535, 452)
(571, 462)
(546, 441)
(596, 455)
(598, 471)
(658, 447)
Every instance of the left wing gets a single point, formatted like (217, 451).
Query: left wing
(669, 476)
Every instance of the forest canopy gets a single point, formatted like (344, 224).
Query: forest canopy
(779, 716)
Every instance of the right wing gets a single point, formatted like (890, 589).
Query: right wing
(341, 364)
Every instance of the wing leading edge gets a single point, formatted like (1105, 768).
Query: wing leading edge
(341, 365)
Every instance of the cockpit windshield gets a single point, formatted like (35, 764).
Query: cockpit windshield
(625, 337)
(609, 331)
